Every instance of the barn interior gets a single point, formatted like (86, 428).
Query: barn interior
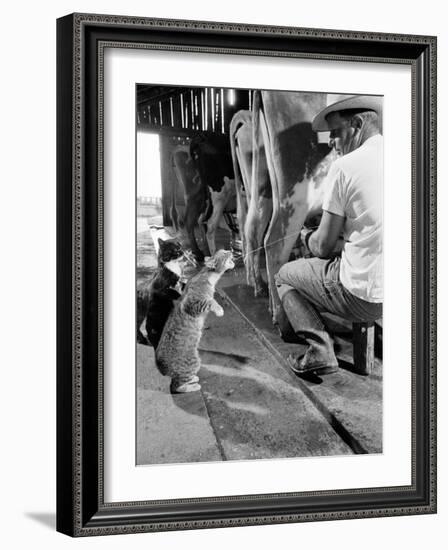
(251, 406)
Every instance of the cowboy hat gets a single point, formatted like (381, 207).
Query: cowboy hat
(367, 102)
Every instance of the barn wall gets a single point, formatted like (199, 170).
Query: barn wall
(188, 110)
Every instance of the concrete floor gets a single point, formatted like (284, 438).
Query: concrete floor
(251, 406)
(352, 403)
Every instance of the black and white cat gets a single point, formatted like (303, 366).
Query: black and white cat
(155, 297)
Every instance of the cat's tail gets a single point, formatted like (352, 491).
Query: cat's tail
(162, 367)
(161, 363)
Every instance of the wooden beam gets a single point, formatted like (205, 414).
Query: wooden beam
(209, 111)
(166, 113)
(168, 130)
(182, 114)
(212, 110)
(197, 101)
(193, 112)
(186, 112)
(171, 111)
(223, 119)
(177, 113)
(200, 99)
(152, 94)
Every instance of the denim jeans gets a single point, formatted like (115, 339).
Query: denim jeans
(319, 289)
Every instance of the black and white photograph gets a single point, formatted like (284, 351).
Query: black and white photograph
(246, 275)
(259, 274)
(222, 293)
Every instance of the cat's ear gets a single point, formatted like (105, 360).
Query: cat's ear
(160, 241)
(210, 262)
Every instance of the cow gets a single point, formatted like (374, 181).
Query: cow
(284, 145)
(254, 203)
(212, 158)
(195, 195)
(205, 172)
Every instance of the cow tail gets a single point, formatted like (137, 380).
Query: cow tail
(234, 125)
(237, 122)
(241, 194)
(256, 104)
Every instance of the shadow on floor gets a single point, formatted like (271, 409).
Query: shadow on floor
(47, 519)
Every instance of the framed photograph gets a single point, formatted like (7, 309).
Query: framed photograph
(246, 274)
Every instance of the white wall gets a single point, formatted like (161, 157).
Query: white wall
(148, 165)
(27, 396)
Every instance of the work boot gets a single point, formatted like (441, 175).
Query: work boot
(284, 327)
(309, 329)
(303, 365)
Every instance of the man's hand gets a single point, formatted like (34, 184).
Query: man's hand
(322, 242)
(305, 234)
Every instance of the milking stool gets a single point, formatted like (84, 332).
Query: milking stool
(364, 347)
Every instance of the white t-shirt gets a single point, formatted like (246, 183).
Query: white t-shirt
(354, 189)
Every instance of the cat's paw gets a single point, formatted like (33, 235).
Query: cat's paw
(218, 311)
(185, 388)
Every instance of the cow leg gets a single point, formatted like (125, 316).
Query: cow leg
(212, 224)
(203, 227)
(242, 198)
(174, 217)
(173, 209)
(288, 215)
(257, 220)
(264, 216)
(271, 251)
(241, 215)
(190, 223)
(260, 208)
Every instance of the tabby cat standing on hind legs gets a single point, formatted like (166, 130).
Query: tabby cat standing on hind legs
(177, 354)
(155, 296)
